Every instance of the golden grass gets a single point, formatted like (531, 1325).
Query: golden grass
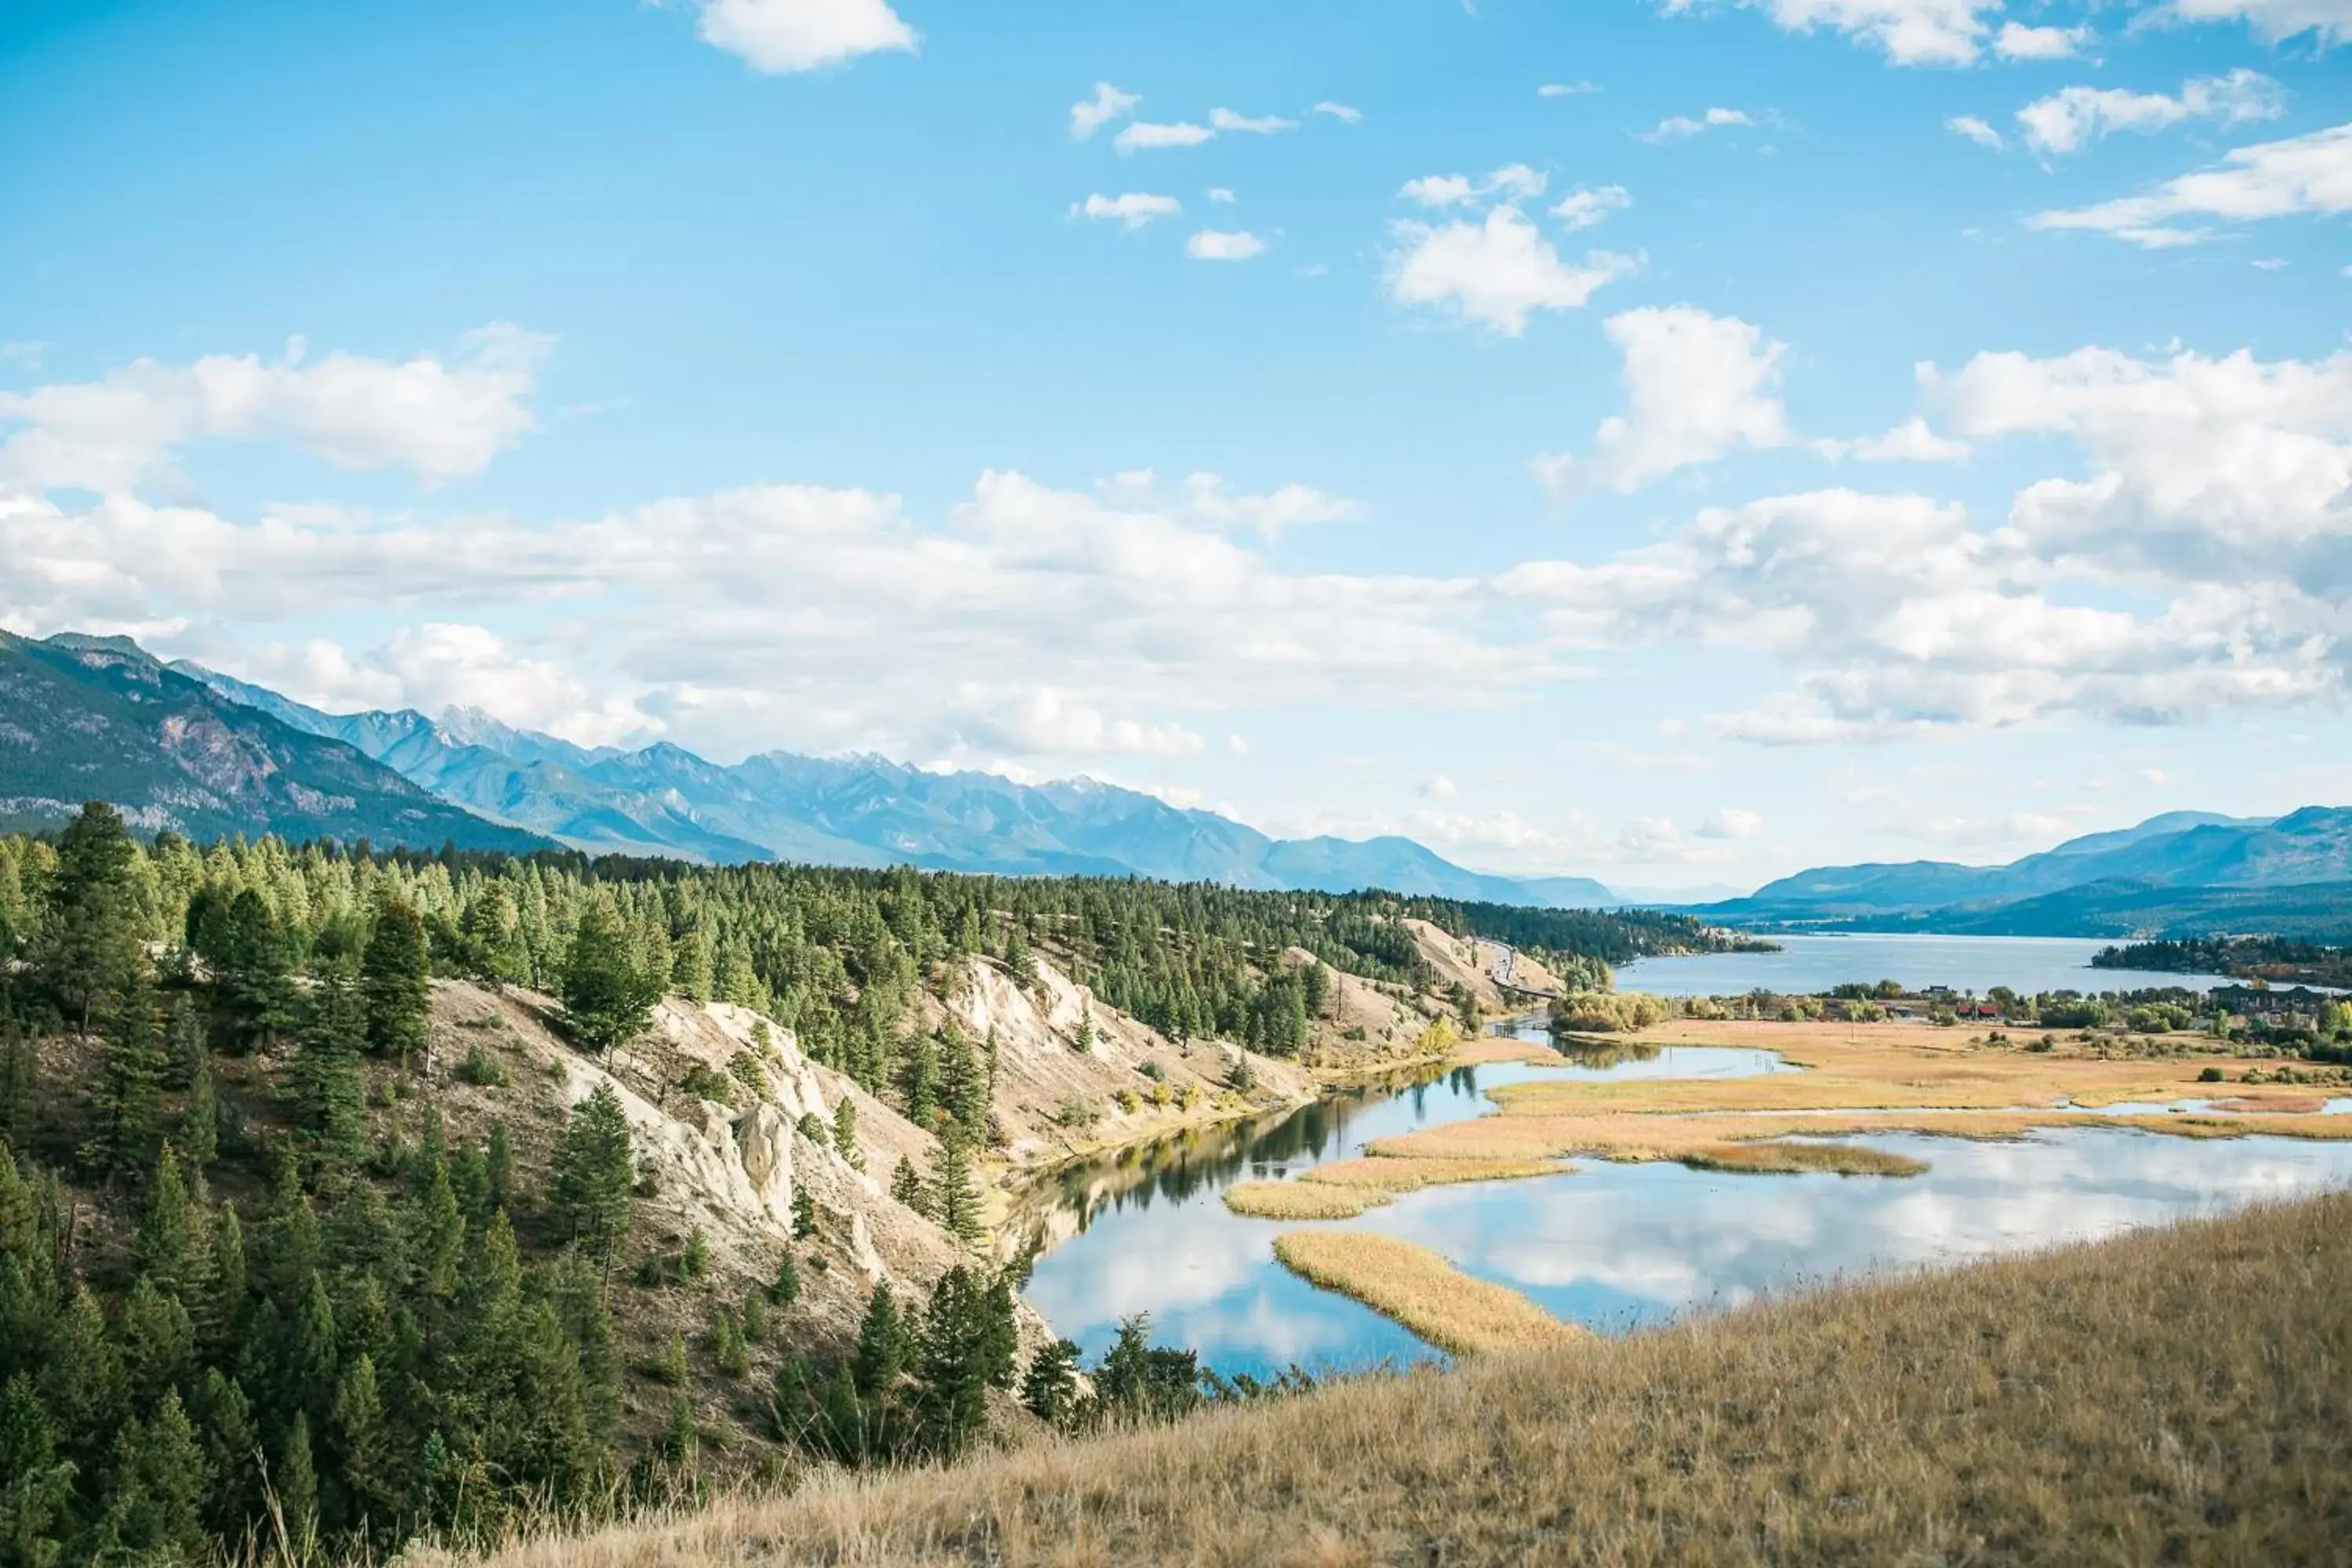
(2173, 1395)
(1346, 1188)
(1794, 1159)
(1419, 1288)
(1299, 1200)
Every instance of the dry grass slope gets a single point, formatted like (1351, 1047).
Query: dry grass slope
(2175, 1395)
(1421, 1290)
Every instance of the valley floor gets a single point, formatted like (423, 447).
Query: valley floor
(2178, 1395)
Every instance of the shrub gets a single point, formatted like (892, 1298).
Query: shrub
(1152, 1070)
(1077, 1111)
(2210, 1074)
(813, 1129)
(482, 1067)
(745, 1068)
(1130, 1102)
(700, 1083)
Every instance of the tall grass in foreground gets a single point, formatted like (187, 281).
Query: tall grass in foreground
(2182, 1395)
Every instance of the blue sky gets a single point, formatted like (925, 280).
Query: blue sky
(1332, 425)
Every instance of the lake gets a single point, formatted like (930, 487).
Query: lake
(1613, 1247)
(1970, 964)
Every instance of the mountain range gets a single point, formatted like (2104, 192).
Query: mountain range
(185, 747)
(2185, 873)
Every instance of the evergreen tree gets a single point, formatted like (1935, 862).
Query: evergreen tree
(123, 1095)
(844, 1132)
(168, 1241)
(155, 1495)
(907, 1187)
(198, 1130)
(607, 999)
(884, 1350)
(785, 1290)
(956, 1197)
(395, 982)
(963, 1083)
(803, 1213)
(323, 1091)
(35, 1485)
(1050, 1390)
(251, 961)
(497, 1166)
(88, 950)
(295, 1480)
(595, 1172)
(920, 1079)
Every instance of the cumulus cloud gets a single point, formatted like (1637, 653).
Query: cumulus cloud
(1047, 721)
(1512, 181)
(1496, 272)
(2303, 175)
(2016, 41)
(798, 616)
(2272, 21)
(1911, 32)
(1090, 115)
(780, 35)
(1683, 127)
(1144, 133)
(2069, 118)
(1697, 387)
(1346, 114)
(439, 419)
(1223, 245)
(1731, 822)
(1583, 208)
(1130, 210)
(1910, 442)
(1976, 131)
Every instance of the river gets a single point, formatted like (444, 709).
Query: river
(1969, 964)
(1613, 1246)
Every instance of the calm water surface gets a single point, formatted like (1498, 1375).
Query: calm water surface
(1977, 964)
(1615, 1247)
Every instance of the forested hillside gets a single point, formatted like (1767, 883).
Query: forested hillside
(409, 1189)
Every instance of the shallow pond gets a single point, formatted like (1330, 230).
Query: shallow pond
(1614, 1246)
(1967, 963)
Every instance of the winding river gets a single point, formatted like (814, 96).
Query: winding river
(1613, 1246)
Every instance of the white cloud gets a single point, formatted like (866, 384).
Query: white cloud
(1496, 272)
(1731, 822)
(1262, 125)
(1147, 134)
(1583, 208)
(1047, 721)
(1223, 245)
(1512, 181)
(439, 419)
(801, 616)
(23, 352)
(1438, 788)
(1912, 32)
(1130, 209)
(2303, 175)
(1910, 442)
(1090, 115)
(1976, 131)
(2272, 21)
(1697, 386)
(2066, 120)
(2016, 41)
(1566, 89)
(2271, 264)
(1682, 127)
(1346, 114)
(1220, 194)
(779, 35)
(1270, 515)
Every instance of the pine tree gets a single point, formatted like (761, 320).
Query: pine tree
(322, 1089)
(1050, 1390)
(35, 1485)
(168, 1239)
(88, 949)
(884, 1352)
(187, 1054)
(956, 1199)
(785, 1288)
(920, 1080)
(395, 982)
(755, 1315)
(123, 1095)
(907, 1187)
(497, 1166)
(803, 1213)
(368, 1474)
(607, 1000)
(595, 1172)
(963, 1083)
(295, 1480)
(252, 965)
(155, 1501)
(198, 1130)
(844, 1132)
